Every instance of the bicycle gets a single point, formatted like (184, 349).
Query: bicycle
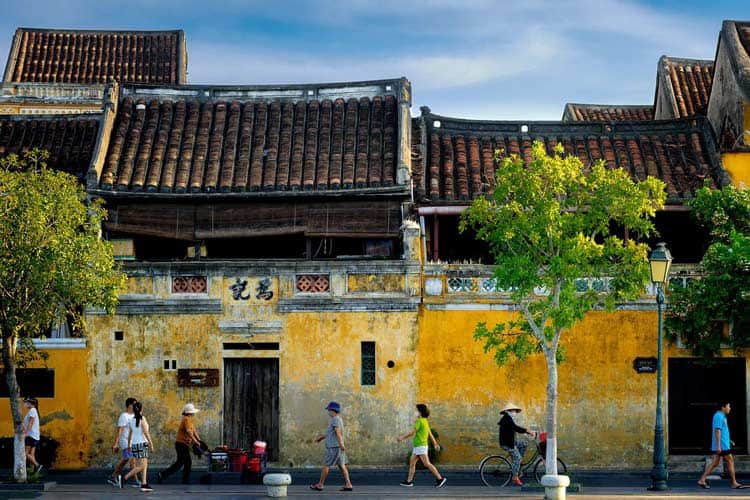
(495, 470)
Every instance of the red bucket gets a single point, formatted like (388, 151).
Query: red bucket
(239, 462)
(259, 447)
(253, 465)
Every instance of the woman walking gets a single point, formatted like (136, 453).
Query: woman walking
(421, 434)
(139, 442)
(186, 437)
(31, 432)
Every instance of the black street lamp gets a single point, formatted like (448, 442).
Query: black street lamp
(660, 260)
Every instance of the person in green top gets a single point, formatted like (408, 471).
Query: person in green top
(421, 435)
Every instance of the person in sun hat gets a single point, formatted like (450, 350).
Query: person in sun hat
(335, 449)
(508, 442)
(187, 436)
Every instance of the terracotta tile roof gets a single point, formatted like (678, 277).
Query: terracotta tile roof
(211, 145)
(683, 87)
(79, 56)
(607, 113)
(71, 141)
(460, 166)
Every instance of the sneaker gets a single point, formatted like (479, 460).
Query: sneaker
(113, 481)
(136, 484)
(407, 484)
(159, 477)
(119, 481)
(440, 482)
(146, 488)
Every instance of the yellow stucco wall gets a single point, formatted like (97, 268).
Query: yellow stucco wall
(605, 408)
(738, 167)
(321, 362)
(133, 367)
(319, 355)
(67, 416)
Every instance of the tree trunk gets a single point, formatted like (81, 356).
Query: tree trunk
(551, 458)
(19, 454)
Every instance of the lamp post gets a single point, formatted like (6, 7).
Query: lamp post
(660, 260)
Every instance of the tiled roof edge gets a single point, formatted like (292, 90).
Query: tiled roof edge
(568, 114)
(488, 127)
(399, 88)
(21, 29)
(739, 57)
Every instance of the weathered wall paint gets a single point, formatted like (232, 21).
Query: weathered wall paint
(738, 167)
(605, 408)
(67, 416)
(321, 362)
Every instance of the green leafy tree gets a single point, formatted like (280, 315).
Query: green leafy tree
(550, 224)
(52, 264)
(698, 313)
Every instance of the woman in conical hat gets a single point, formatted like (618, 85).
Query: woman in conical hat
(508, 442)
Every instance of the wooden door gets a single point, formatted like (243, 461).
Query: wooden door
(251, 403)
(695, 388)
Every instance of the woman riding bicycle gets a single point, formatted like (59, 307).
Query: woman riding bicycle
(507, 436)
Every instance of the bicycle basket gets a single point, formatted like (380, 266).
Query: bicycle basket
(541, 444)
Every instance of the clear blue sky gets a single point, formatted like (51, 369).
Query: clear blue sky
(499, 59)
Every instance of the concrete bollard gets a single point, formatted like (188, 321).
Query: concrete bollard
(555, 486)
(276, 484)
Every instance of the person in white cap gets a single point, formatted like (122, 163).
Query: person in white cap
(508, 442)
(186, 437)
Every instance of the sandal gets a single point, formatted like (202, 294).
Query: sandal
(316, 487)
(347, 488)
(705, 486)
(741, 487)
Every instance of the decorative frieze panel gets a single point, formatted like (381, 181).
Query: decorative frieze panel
(313, 283)
(189, 284)
(374, 283)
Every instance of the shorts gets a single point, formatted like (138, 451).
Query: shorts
(127, 454)
(420, 450)
(140, 450)
(334, 456)
(31, 442)
(722, 453)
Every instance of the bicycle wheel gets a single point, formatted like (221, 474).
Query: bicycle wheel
(495, 471)
(540, 469)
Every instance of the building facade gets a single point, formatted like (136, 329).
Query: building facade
(290, 245)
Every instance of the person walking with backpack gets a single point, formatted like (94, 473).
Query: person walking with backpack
(186, 437)
(420, 450)
(140, 443)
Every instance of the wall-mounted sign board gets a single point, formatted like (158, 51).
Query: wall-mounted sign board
(645, 365)
(198, 377)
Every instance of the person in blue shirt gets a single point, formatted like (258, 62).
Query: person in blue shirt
(721, 447)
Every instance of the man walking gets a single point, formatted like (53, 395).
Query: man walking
(121, 443)
(335, 450)
(721, 447)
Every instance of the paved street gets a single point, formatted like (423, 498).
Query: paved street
(384, 484)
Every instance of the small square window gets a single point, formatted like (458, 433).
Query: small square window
(119, 335)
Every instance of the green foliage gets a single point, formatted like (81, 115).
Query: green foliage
(697, 314)
(549, 224)
(52, 260)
